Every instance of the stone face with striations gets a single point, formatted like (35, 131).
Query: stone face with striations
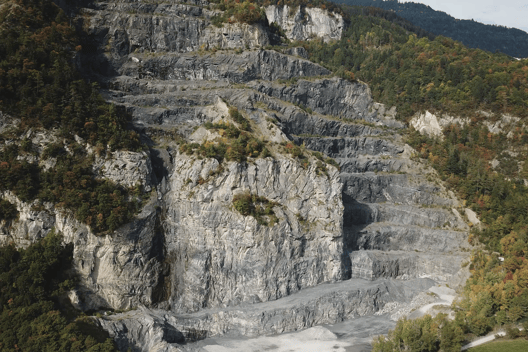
(221, 258)
(303, 23)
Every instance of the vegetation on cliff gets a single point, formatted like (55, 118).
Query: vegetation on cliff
(35, 314)
(236, 11)
(233, 144)
(8, 210)
(258, 207)
(252, 11)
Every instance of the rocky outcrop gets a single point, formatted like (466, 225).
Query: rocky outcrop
(128, 169)
(119, 270)
(426, 123)
(432, 125)
(305, 23)
(31, 225)
(7, 122)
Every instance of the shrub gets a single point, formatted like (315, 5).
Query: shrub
(239, 118)
(53, 150)
(235, 11)
(225, 129)
(237, 146)
(293, 149)
(332, 162)
(512, 332)
(258, 207)
(8, 211)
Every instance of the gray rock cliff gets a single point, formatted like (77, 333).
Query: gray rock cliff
(303, 23)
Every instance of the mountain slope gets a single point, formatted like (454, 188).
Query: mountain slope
(417, 74)
(271, 187)
(511, 41)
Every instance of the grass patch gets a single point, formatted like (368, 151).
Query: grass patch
(519, 345)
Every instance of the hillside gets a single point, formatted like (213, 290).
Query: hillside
(241, 169)
(511, 41)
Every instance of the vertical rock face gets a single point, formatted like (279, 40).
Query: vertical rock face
(195, 264)
(303, 23)
(222, 258)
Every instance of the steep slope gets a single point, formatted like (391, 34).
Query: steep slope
(245, 232)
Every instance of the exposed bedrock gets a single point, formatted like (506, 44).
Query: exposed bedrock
(378, 188)
(298, 122)
(155, 330)
(304, 23)
(268, 65)
(335, 96)
(127, 28)
(371, 265)
(120, 270)
(347, 148)
(394, 237)
(221, 258)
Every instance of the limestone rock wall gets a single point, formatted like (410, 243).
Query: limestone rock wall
(303, 23)
(126, 168)
(239, 68)
(221, 258)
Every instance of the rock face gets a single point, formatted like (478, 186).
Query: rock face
(196, 266)
(240, 68)
(126, 168)
(375, 264)
(325, 304)
(217, 254)
(303, 23)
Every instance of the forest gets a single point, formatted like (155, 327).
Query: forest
(511, 41)
(415, 73)
(35, 313)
